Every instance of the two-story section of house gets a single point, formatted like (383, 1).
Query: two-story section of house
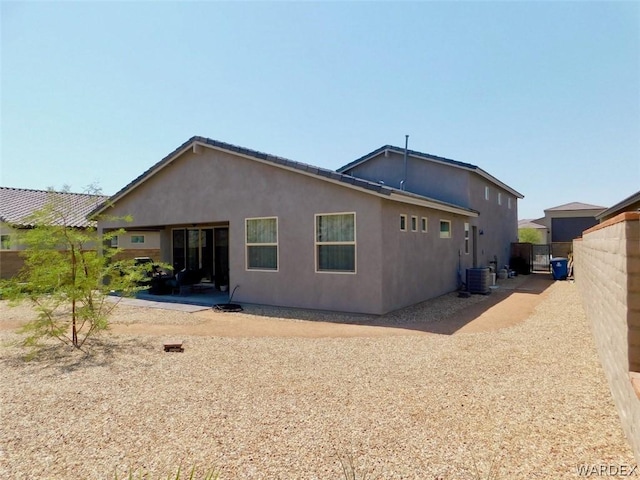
(463, 184)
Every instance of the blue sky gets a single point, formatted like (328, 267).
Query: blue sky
(544, 96)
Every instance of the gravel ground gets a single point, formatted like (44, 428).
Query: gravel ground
(530, 401)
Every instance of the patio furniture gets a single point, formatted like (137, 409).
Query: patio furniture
(185, 280)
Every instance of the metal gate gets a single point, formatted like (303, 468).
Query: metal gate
(541, 257)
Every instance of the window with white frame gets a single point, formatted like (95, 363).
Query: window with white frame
(499, 198)
(486, 193)
(414, 223)
(262, 243)
(137, 239)
(335, 236)
(508, 202)
(403, 223)
(466, 239)
(114, 241)
(445, 229)
(424, 224)
(5, 242)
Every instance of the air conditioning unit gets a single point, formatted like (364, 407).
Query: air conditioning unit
(479, 280)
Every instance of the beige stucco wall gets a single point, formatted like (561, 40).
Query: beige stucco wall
(607, 272)
(11, 261)
(151, 240)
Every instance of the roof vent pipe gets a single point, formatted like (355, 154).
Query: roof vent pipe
(404, 177)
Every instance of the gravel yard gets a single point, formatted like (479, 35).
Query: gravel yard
(399, 403)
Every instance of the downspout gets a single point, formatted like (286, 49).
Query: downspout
(404, 176)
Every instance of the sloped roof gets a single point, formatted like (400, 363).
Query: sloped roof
(432, 158)
(575, 206)
(303, 168)
(530, 223)
(18, 204)
(630, 202)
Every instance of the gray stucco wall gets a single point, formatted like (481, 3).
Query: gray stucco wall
(214, 186)
(426, 178)
(394, 269)
(498, 223)
(418, 265)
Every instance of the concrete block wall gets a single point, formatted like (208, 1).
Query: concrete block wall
(607, 273)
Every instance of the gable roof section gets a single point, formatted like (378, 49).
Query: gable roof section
(530, 223)
(284, 163)
(17, 204)
(574, 206)
(431, 158)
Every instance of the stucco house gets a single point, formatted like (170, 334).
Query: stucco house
(568, 221)
(291, 234)
(17, 205)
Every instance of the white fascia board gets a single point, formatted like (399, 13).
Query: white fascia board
(494, 180)
(434, 205)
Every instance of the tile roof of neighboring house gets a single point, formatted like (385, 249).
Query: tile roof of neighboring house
(18, 204)
(432, 158)
(318, 172)
(575, 206)
(530, 223)
(620, 206)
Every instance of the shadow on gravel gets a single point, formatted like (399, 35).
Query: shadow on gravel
(511, 303)
(61, 358)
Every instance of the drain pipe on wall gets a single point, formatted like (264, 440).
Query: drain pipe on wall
(404, 177)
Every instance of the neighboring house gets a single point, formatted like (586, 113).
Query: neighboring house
(17, 205)
(566, 222)
(291, 234)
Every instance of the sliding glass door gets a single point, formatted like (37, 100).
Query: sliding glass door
(193, 249)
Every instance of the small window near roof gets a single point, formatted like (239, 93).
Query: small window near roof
(423, 224)
(137, 239)
(414, 223)
(499, 198)
(509, 202)
(403, 223)
(466, 239)
(486, 193)
(445, 229)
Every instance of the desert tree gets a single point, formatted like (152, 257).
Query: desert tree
(529, 235)
(69, 270)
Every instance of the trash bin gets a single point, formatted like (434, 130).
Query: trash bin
(559, 268)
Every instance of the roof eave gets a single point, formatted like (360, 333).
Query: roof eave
(302, 169)
(432, 158)
(630, 200)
